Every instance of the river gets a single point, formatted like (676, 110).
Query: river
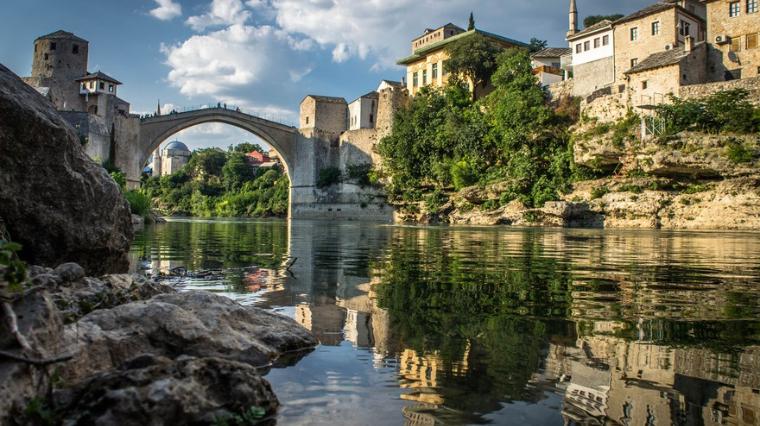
(497, 325)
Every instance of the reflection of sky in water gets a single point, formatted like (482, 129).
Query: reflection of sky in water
(491, 325)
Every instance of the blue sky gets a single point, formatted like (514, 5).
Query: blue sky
(264, 55)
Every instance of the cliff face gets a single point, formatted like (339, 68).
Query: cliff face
(686, 181)
(53, 199)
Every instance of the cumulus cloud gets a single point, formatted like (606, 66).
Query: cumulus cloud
(166, 10)
(220, 13)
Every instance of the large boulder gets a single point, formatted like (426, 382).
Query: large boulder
(198, 324)
(157, 391)
(54, 200)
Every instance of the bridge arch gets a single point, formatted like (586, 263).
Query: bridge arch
(156, 130)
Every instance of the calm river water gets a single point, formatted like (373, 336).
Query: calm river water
(497, 325)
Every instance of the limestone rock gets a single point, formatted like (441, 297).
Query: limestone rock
(54, 200)
(153, 390)
(197, 324)
(41, 324)
(599, 152)
(696, 155)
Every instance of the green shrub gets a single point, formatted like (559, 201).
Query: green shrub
(463, 174)
(328, 176)
(362, 174)
(120, 179)
(139, 203)
(738, 153)
(434, 201)
(599, 192)
(727, 111)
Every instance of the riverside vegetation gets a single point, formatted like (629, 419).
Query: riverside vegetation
(514, 156)
(217, 183)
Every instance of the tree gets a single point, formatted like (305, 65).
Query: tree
(236, 172)
(471, 23)
(246, 147)
(595, 19)
(536, 45)
(207, 161)
(472, 58)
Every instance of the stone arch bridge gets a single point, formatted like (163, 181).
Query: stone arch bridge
(304, 153)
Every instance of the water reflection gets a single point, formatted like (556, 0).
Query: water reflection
(494, 325)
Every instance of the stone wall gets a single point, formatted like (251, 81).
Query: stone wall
(607, 108)
(561, 89)
(58, 69)
(324, 113)
(593, 76)
(752, 85)
(95, 133)
(745, 62)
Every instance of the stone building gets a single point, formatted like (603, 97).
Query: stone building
(88, 101)
(547, 65)
(733, 29)
(593, 56)
(362, 112)
(425, 66)
(171, 159)
(325, 113)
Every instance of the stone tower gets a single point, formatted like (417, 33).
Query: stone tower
(60, 58)
(573, 19)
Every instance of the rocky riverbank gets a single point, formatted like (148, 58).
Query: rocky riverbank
(121, 349)
(687, 181)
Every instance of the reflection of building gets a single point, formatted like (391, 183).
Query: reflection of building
(324, 318)
(171, 159)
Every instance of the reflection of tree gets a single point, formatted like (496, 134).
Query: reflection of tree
(217, 245)
(493, 316)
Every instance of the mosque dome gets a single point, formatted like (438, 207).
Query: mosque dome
(177, 146)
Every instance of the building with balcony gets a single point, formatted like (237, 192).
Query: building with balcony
(547, 65)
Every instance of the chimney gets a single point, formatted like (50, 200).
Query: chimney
(573, 19)
(688, 43)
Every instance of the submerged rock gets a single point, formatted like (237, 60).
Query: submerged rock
(54, 200)
(153, 390)
(196, 324)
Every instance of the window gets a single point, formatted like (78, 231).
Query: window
(597, 42)
(46, 56)
(655, 28)
(736, 44)
(605, 40)
(751, 41)
(371, 119)
(435, 72)
(424, 77)
(82, 86)
(102, 86)
(53, 46)
(644, 85)
(685, 28)
(110, 88)
(415, 80)
(634, 62)
(443, 68)
(634, 33)
(307, 120)
(75, 49)
(578, 48)
(556, 65)
(35, 48)
(734, 8)
(586, 46)
(751, 6)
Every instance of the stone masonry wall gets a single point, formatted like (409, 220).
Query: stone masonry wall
(752, 85)
(593, 76)
(722, 59)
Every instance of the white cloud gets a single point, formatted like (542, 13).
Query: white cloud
(166, 10)
(220, 13)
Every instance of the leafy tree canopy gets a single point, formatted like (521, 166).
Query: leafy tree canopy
(536, 45)
(473, 58)
(246, 147)
(595, 19)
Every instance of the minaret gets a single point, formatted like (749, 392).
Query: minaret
(158, 108)
(573, 19)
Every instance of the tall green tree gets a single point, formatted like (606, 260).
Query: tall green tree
(472, 58)
(536, 45)
(471, 22)
(236, 172)
(595, 19)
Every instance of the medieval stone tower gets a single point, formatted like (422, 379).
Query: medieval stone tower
(60, 58)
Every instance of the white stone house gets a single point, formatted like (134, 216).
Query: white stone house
(362, 113)
(547, 65)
